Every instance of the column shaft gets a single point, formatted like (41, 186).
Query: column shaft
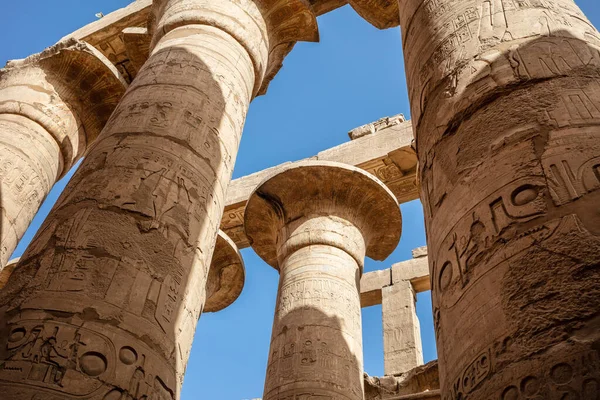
(315, 221)
(402, 348)
(505, 96)
(316, 346)
(30, 163)
(52, 105)
(114, 282)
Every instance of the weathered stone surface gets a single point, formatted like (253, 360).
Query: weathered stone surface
(52, 106)
(7, 271)
(374, 127)
(419, 252)
(314, 221)
(106, 34)
(105, 301)
(112, 34)
(402, 347)
(371, 285)
(505, 99)
(421, 382)
(388, 155)
(137, 47)
(416, 271)
(226, 276)
(382, 14)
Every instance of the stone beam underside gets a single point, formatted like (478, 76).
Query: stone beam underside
(107, 34)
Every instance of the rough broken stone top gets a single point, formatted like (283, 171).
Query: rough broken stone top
(322, 202)
(226, 276)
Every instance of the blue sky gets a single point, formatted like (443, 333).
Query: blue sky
(353, 76)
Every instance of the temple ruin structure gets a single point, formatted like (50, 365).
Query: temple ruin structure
(503, 151)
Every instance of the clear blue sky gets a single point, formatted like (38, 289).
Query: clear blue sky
(354, 76)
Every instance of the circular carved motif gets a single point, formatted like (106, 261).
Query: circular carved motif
(445, 276)
(16, 335)
(524, 195)
(93, 363)
(561, 373)
(530, 386)
(128, 355)
(510, 393)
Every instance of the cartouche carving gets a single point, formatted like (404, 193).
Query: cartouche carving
(505, 98)
(114, 282)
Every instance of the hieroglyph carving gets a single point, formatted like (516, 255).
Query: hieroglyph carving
(506, 100)
(52, 106)
(120, 266)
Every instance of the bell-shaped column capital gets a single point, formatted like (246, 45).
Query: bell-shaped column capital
(226, 275)
(70, 89)
(320, 202)
(267, 29)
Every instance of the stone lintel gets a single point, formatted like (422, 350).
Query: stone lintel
(106, 34)
(137, 45)
(387, 154)
(415, 271)
(371, 285)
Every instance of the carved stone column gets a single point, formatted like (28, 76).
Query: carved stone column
(105, 301)
(314, 222)
(505, 98)
(402, 348)
(52, 105)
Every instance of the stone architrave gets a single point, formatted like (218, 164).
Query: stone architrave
(505, 99)
(105, 301)
(52, 106)
(314, 221)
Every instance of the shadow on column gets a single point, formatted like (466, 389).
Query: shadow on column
(311, 358)
(523, 283)
(104, 302)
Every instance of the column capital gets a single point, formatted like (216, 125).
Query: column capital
(267, 29)
(320, 202)
(70, 89)
(226, 275)
(382, 14)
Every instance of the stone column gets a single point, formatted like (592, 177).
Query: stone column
(52, 105)
(505, 98)
(105, 301)
(402, 348)
(314, 221)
